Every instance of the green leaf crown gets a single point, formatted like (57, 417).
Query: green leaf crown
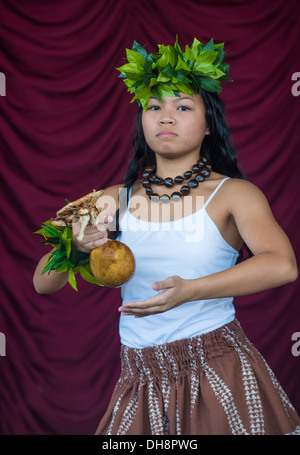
(170, 70)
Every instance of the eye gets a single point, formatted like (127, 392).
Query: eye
(183, 108)
(153, 108)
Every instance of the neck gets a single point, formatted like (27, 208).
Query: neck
(173, 167)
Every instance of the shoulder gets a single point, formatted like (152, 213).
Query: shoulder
(242, 193)
(247, 204)
(109, 199)
(113, 190)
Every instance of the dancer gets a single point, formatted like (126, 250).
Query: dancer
(186, 209)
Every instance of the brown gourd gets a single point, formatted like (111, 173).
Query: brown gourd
(112, 264)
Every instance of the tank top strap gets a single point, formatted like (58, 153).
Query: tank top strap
(128, 197)
(214, 192)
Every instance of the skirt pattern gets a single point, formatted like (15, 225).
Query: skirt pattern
(212, 384)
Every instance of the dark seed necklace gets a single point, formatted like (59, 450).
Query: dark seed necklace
(201, 169)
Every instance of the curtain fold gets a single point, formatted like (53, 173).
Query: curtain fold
(66, 128)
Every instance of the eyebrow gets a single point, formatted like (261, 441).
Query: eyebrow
(176, 99)
(184, 98)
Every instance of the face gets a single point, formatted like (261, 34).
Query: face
(175, 127)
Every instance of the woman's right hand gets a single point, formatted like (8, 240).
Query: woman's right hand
(93, 236)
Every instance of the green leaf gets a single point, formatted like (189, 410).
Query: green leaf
(72, 280)
(166, 90)
(63, 268)
(41, 232)
(188, 54)
(206, 58)
(51, 241)
(52, 231)
(210, 85)
(177, 47)
(153, 82)
(54, 263)
(221, 53)
(196, 84)
(181, 64)
(184, 88)
(138, 48)
(226, 78)
(131, 69)
(131, 82)
(135, 57)
(157, 93)
(163, 78)
(83, 270)
(209, 46)
(168, 56)
(203, 69)
(148, 68)
(143, 95)
(196, 47)
(169, 71)
(78, 257)
(217, 74)
(67, 240)
(181, 78)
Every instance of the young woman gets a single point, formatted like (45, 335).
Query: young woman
(187, 366)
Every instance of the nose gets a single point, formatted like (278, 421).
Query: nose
(166, 120)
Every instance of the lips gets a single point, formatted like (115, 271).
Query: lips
(166, 134)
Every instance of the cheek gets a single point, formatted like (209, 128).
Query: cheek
(145, 127)
(195, 129)
(147, 130)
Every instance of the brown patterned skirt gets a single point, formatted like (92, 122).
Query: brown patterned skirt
(212, 384)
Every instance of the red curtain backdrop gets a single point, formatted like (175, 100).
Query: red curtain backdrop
(65, 121)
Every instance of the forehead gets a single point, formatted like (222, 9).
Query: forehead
(183, 97)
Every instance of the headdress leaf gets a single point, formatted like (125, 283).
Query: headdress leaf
(170, 70)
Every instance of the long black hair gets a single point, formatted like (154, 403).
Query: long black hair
(217, 146)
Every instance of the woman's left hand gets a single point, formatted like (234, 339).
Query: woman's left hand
(174, 293)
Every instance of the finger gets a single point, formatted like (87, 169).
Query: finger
(164, 284)
(143, 305)
(94, 236)
(91, 246)
(141, 312)
(89, 229)
(75, 228)
(103, 220)
(108, 219)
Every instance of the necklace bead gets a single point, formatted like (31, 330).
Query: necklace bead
(146, 183)
(175, 196)
(158, 181)
(201, 169)
(199, 178)
(193, 183)
(187, 174)
(168, 182)
(184, 190)
(179, 179)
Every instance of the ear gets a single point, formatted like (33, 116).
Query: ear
(207, 131)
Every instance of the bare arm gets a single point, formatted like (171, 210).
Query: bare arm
(93, 238)
(48, 283)
(272, 265)
(53, 281)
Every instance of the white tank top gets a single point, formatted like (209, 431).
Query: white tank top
(190, 247)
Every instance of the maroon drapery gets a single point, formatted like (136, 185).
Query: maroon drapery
(64, 131)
